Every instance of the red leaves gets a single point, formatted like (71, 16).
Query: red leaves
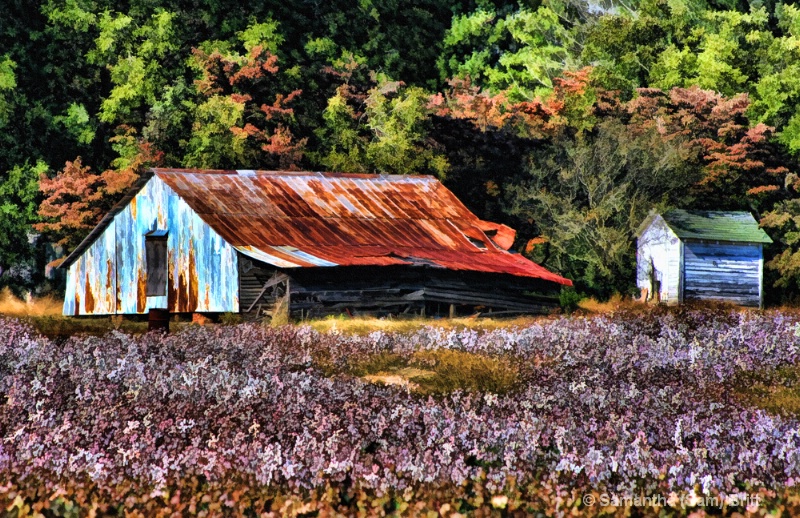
(571, 100)
(278, 108)
(76, 198)
(248, 80)
(714, 130)
(259, 63)
(71, 201)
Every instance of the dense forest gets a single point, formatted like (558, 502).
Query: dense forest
(568, 120)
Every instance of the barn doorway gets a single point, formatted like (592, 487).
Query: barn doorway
(155, 251)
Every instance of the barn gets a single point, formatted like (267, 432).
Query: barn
(701, 255)
(202, 241)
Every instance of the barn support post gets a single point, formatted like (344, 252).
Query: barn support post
(276, 278)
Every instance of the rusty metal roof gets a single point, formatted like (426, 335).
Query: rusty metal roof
(306, 219)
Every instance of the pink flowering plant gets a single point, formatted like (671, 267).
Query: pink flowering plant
(248, 420)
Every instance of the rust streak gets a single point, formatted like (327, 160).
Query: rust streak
(89, 296)
(193, 283)
(109, 283)
(172, 294)
(141, 290)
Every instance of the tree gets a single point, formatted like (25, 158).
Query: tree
(384, 129)
(740, 165)
(8, 82)
(519, 53)
(76, 198)
(137, 56)
(242, 121)
(587, 197)
(18, 196)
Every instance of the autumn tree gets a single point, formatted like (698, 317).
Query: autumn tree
(242, 121)
(76, 198)
(379, 126)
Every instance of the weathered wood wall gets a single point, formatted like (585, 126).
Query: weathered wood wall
(658, 256)
(110, 276)
(723, 271)
(392, 289)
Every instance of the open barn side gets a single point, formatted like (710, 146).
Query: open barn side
(316, 292)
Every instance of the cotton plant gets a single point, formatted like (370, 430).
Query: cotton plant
(606, 403)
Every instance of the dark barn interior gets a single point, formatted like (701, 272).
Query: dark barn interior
(387, 290)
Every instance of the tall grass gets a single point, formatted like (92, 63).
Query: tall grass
(365, 325)
(35, 307)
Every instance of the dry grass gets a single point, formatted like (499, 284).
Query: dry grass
(615, 303)
(36, 307)
(44, 314)
(777, 392)
(439, 372)
(366, 325)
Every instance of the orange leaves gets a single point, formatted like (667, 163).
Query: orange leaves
(762, 189)
(736, 159)
(77, 198)
(259, 62)
(571, 103)
(465, 101)
(533, 243)
(278, 108)
(282, 144)
(248, 80)
(71, 199)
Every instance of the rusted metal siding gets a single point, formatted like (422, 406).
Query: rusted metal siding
(305, 219)
(109, 277)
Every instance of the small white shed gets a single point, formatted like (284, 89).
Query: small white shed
(701, 255)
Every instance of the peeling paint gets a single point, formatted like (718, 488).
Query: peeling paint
(110, 276)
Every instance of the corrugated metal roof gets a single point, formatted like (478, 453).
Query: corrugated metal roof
(306, 219)
(738, 227)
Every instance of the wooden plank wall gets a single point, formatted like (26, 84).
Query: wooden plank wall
(383, 290)
(723, 271)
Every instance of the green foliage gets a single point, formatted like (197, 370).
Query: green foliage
(568, 299)
(7, 84)
(212, 143)
(77, 123)
(135, 55)
(382, 131)
(783, 225)
(519, 53)
(19, 190)
(588, 197)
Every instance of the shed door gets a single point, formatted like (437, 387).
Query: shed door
(722, 272)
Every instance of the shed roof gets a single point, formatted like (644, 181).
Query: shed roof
(307, 219)
(740, 227)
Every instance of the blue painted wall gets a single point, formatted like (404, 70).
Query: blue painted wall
(110, 276)
(723, 271)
